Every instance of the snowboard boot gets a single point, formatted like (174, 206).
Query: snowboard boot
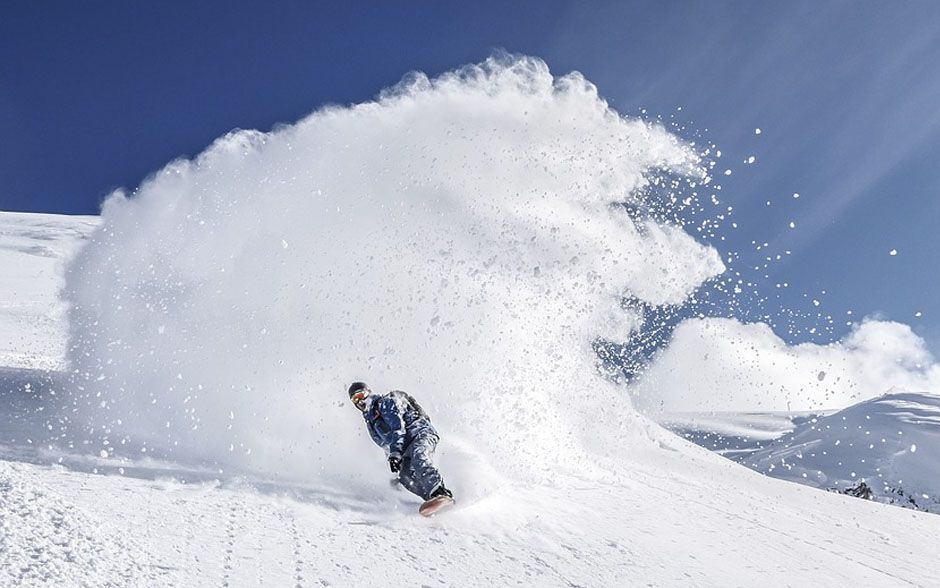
(441, 491)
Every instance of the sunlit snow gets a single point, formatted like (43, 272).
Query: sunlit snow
(468, 238)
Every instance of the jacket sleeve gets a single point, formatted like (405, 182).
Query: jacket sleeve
(374, 434)
(394, 417)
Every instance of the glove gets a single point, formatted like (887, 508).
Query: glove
(394, 463)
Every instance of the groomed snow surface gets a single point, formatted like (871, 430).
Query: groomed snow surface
(679, 517)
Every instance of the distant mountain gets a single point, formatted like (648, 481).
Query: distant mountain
(891, 444)
(886, 449)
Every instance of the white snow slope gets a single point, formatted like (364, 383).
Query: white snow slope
(455, 238)
(678, 516)
(890, 443)
(33, 248)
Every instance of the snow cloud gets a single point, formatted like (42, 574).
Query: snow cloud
(722, 364)
(460, 238)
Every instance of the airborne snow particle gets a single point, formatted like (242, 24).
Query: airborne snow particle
(792, 225)
(918, 313)
(822, 376)
(796, 194)
(757, 131)
(913, 448)
(893, 252)
(751, 159)
(727, 172)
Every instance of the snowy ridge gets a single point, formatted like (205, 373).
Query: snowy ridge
(757, 426)
(891, 443)
(731, 434)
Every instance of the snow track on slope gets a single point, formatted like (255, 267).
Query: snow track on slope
(689, 520)
(44, 539)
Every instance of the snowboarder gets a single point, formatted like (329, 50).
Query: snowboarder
(398, 424)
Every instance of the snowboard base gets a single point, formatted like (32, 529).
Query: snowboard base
(434, 505)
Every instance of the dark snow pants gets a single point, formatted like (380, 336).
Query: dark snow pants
(418, 473)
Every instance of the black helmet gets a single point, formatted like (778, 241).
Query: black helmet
(358, 387)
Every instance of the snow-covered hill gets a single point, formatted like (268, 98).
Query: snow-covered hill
(891, 443)
(888, 443)
(462, 238)
(677, 516)
(33, 248)
(734, 435)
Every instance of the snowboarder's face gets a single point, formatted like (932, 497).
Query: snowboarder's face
(359, 399)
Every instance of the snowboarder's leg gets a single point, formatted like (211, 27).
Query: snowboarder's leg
(418, 473)
(407, 475)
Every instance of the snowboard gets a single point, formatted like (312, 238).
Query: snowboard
(434, 505)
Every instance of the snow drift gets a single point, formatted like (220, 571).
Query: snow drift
(463, 238)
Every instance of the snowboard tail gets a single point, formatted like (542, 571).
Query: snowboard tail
(433, 505)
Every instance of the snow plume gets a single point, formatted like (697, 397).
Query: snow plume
(722, 364)
(462, 238)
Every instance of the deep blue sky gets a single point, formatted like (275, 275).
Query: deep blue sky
(95, 95)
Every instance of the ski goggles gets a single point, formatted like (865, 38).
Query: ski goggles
(359, 398)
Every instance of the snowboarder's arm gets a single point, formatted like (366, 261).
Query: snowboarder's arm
(394, 417)
(375, 435)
